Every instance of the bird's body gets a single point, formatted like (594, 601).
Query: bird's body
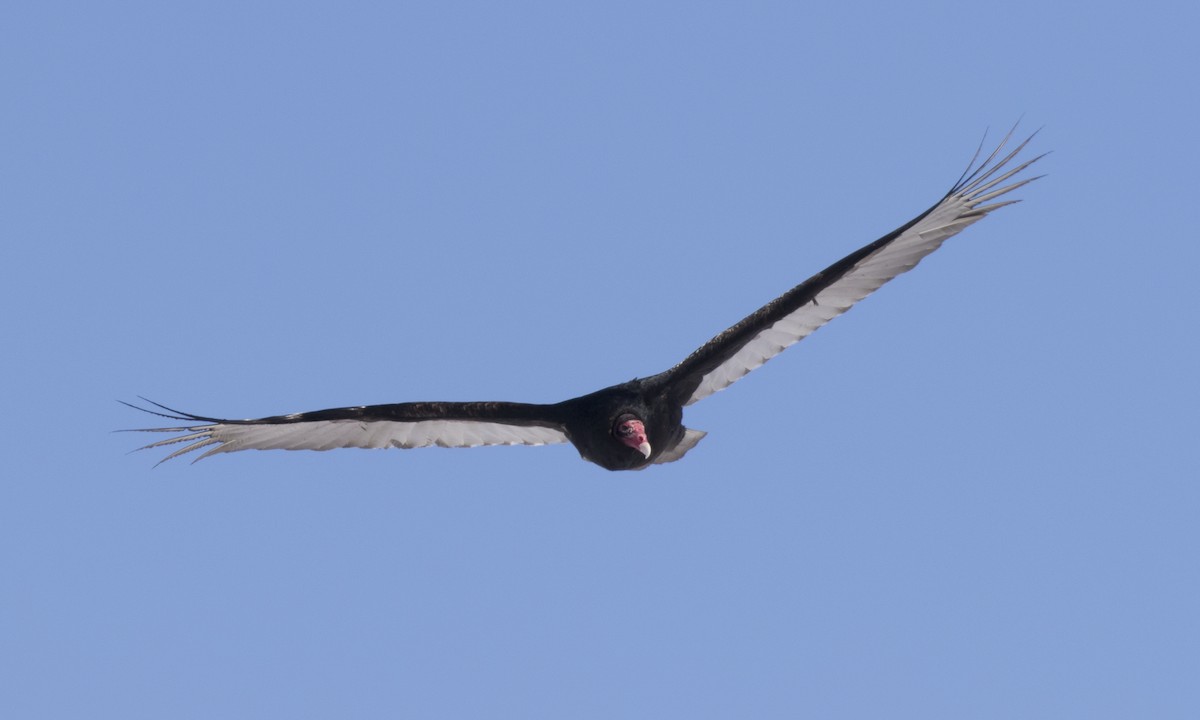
(637, 423)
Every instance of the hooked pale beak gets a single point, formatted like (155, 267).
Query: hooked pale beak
(633, 434)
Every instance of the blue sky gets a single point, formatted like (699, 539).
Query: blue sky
(975, 495)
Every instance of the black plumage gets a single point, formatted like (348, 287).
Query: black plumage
(638, 423)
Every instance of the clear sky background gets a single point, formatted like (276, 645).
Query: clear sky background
(975, 495)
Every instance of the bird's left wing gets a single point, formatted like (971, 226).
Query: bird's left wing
(402, 425)
(800, 311)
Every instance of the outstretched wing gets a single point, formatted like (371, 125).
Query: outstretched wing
(403, 425)
(831, 292)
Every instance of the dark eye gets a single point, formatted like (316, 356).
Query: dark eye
(624, 430)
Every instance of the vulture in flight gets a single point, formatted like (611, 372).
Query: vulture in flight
(637, 423)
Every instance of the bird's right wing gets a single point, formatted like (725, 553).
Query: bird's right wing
(802, 310)
(402, 425)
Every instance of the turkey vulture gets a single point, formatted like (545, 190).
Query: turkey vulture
(638, 423)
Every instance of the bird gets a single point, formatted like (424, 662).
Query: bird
(639, 423)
